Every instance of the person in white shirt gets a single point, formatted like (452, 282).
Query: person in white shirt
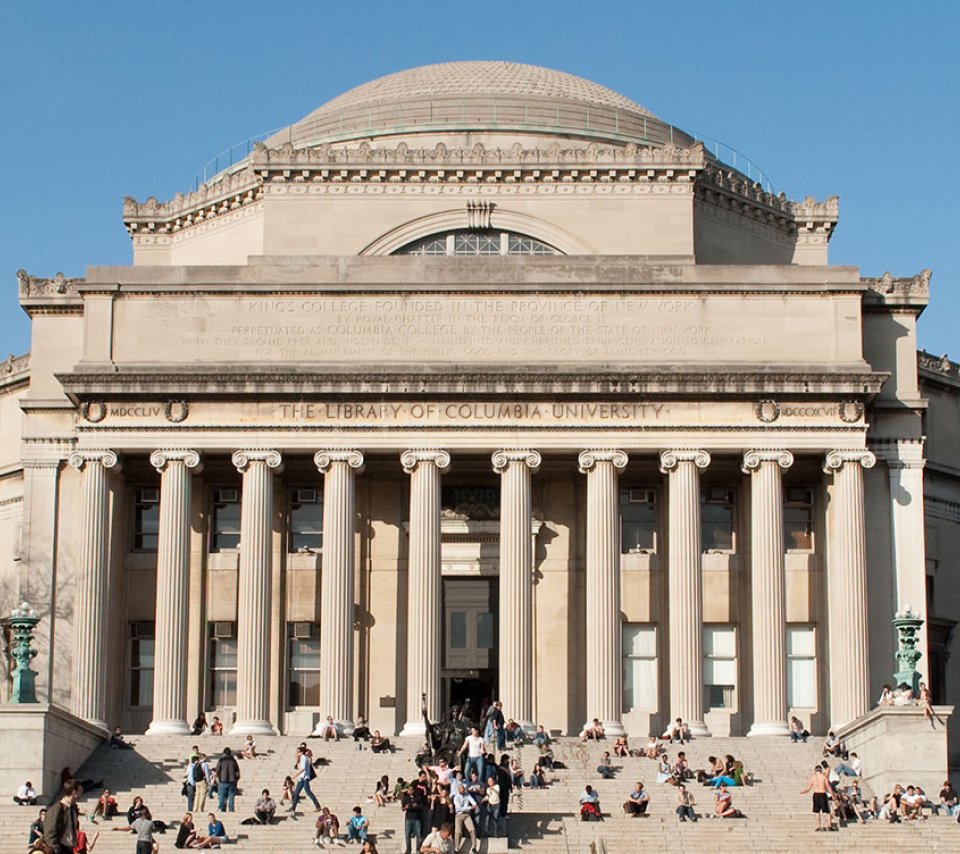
(473, 745)
(26, 795)
(443, 772)
(912, 804)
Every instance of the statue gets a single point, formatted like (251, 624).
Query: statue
(908, 626)
(446, 737)
(23, 621)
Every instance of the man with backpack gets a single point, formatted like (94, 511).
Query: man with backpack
(306, 773)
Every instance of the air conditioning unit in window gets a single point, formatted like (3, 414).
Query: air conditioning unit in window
(642, 496)
(228, 496)
(224, 629)
(303, 631)
(305, 496)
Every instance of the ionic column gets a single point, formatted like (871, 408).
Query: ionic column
(847, 587)
(768, 586)
(604, 667)
(173, 579)
(685, 586)
(253, 606)
(90, 608)
(515, 468)
(339, 469)
(423, 586)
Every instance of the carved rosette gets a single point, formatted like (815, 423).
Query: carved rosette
(411, 459)
(589, 459)
(93, 411)
(501, 459)
(242, 459)
(108, 459)
(767, 411)
(176, 411)
(835, 460)
(190, 459)
(324, 459)
(752, 459)
(851, 411)
(669, 460)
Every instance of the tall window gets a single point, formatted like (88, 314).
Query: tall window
(146, 519)
(801, 667)
(225, 520)
(306, 519)
(639, 666)
(484, 242)
(223, 664)
(303, 672)
(717, 519)
(719, 666)
(141, 663)
(798, 518)
(638, 520)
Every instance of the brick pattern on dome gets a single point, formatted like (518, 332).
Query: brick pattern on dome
(468, 79)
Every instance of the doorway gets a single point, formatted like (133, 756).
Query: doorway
(469, 667)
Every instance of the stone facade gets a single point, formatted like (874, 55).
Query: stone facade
(571, 414)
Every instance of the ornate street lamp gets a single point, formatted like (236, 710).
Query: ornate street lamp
(23, 621)
(908, 626)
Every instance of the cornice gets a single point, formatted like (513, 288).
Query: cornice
(295, 383)
(14, 372)
(911, 293)
(940, 369)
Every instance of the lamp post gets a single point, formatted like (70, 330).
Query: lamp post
(23, 621)
(908, 626)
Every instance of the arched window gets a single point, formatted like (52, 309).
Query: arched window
(487, 242)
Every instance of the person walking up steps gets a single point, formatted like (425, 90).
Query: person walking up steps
(306, 774)
(822, 790)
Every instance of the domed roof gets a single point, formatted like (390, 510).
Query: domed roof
(477, 96)
(472, 79)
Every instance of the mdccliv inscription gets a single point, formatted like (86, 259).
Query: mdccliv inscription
(532, 328)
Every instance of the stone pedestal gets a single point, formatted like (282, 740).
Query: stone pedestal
(604, 666)
(90, 609)
(423, 597)
(847, 588)
(173, 579)
(339, 469)
(515, 468)
(685, 586)
(768, 584)
(254, 595)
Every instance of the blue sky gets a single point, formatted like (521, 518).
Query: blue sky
(102, 100)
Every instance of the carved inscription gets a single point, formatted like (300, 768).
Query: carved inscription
(526, 329)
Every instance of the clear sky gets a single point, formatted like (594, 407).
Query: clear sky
(859, 99)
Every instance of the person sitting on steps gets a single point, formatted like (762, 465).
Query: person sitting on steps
(590, 805)
(592, 731)
(637, 801)
(685, 804)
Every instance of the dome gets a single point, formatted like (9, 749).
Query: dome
(479, 96)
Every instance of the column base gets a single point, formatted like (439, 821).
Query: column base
(168, 728)
(344, 728)
(779, 728)
(252, 728)
(414, 729)
(611, 729)
(698, 729)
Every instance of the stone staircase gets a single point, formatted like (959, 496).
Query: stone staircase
(778, 817)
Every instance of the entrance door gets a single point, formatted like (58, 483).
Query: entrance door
(469, 667)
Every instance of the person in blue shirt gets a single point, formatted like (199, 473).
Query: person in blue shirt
(357, 828)
(216, 832)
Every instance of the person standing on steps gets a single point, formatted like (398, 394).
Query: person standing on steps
(62, 821)
(228, 773)
(822, 790)
(306, 773)
(474, 748)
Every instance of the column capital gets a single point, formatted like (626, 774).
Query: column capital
(589, 459)
(753, 459)
(412, 458)
(669, 460)
(108, 459)
(242, 459)
(324, 459)
(835, 460)
(501, 459)
(190, 459)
